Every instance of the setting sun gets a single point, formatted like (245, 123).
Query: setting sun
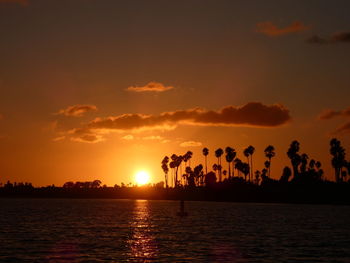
(142, 177)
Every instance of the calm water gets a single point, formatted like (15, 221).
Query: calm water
(149, 231)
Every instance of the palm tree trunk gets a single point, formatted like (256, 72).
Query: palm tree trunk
(251, 166)
(206, 165)
(229, 170)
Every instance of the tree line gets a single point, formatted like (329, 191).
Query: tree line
(179, 173)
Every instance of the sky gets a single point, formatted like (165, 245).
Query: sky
(101, 89)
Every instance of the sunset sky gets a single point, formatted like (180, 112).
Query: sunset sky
(100, 89)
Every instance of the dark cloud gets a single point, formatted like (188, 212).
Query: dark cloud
(77, 110)
(270, 29)
(330, 114)
(342, 37)
(150, 87)
(21, 2)
(345, 128)
(254, 114)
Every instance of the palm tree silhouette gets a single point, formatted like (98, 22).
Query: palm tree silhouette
(187, 158)
(238, 165)
(269, 153)
(303, 161)
(215, 167)
(218, 154)
(251, 150)
(338, 160)
(230, 155)
(165, 168)
(176, 162)
(205, 152)
(294, 157)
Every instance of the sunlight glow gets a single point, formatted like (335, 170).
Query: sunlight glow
(142, 177)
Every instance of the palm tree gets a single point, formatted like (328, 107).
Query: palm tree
(269, 153)
(245, 169)
(303, 161)
(165, 168)
(230, 155)
(187, 157)
(251, 150)
(205, 152)
(338, 160)
(294, 157)
(215, 167)
(197, 173)
(238, 165)
(172, 166)
(176, 162)
(218, 154)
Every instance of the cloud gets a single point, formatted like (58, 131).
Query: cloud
(340, 37)
(252, 114)
(191, 144)
(150, 87)
(21, 2)
(330, 114)
(88, 138)
(128, 137)
(152, 138)
(345, 128)
(76, 110)
(270, 29)
(59, 138)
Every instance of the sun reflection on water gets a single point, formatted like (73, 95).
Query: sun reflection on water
(142, 243)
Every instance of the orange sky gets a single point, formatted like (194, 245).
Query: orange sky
(101, 89)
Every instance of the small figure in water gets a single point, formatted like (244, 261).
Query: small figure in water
(182, 209)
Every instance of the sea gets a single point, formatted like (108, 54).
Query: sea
(101, 230)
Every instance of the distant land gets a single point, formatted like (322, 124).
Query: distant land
(236, 190)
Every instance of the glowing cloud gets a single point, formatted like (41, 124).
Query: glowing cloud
(270, 29)
(128, 137)
(150, 87)
(77, 110)
(191, 144)
(252, 114)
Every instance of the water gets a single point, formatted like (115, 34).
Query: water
(63, 230)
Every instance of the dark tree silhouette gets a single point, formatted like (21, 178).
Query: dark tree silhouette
(287, 173)
(269, 153)
(248, 152)
(257, 177)
(338, 160)
(205, 152)
(215, 168)
(187, 158)
(210, 179)
(230, 155)
(165, 168)
(218, 153)
(303, 160)
(295, 158)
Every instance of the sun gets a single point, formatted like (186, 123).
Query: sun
(142, 177)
